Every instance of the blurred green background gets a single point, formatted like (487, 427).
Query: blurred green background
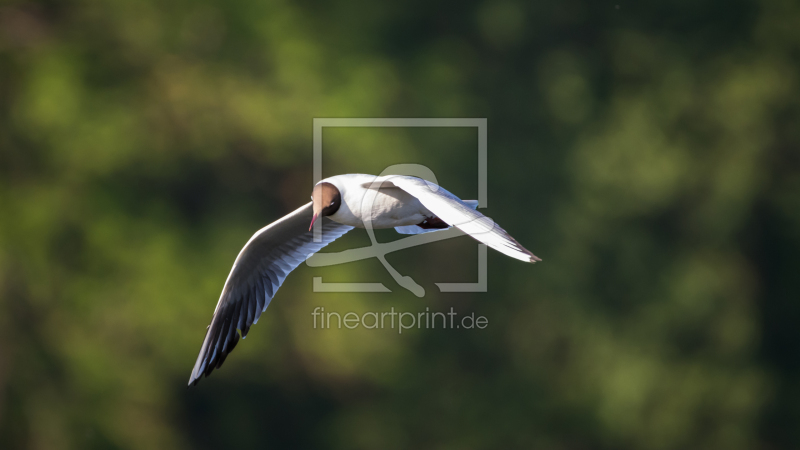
(648, 152)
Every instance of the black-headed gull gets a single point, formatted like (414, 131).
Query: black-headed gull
(410, 205)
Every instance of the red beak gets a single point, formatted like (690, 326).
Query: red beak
(313, 219)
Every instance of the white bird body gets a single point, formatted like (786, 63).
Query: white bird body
(408, 204)
(391, 206)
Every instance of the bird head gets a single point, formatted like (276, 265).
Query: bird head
(326, 200)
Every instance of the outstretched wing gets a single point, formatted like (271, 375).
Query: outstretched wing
(458, 213)
(257, 273)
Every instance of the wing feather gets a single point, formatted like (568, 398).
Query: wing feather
(259, 270)
(458, 213)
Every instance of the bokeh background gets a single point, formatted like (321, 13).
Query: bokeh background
(648, 152)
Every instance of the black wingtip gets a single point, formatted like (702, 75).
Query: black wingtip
(215, 364)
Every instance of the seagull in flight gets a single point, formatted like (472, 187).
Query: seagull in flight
(338, 204)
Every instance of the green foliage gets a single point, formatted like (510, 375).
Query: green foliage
(648, 153)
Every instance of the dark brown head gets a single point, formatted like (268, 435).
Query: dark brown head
(326, 200)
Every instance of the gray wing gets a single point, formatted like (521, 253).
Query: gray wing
(257, 273)
(458, 213)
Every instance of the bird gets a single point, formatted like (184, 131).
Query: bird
(338, 204)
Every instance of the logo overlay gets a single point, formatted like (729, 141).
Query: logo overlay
(380, 250)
